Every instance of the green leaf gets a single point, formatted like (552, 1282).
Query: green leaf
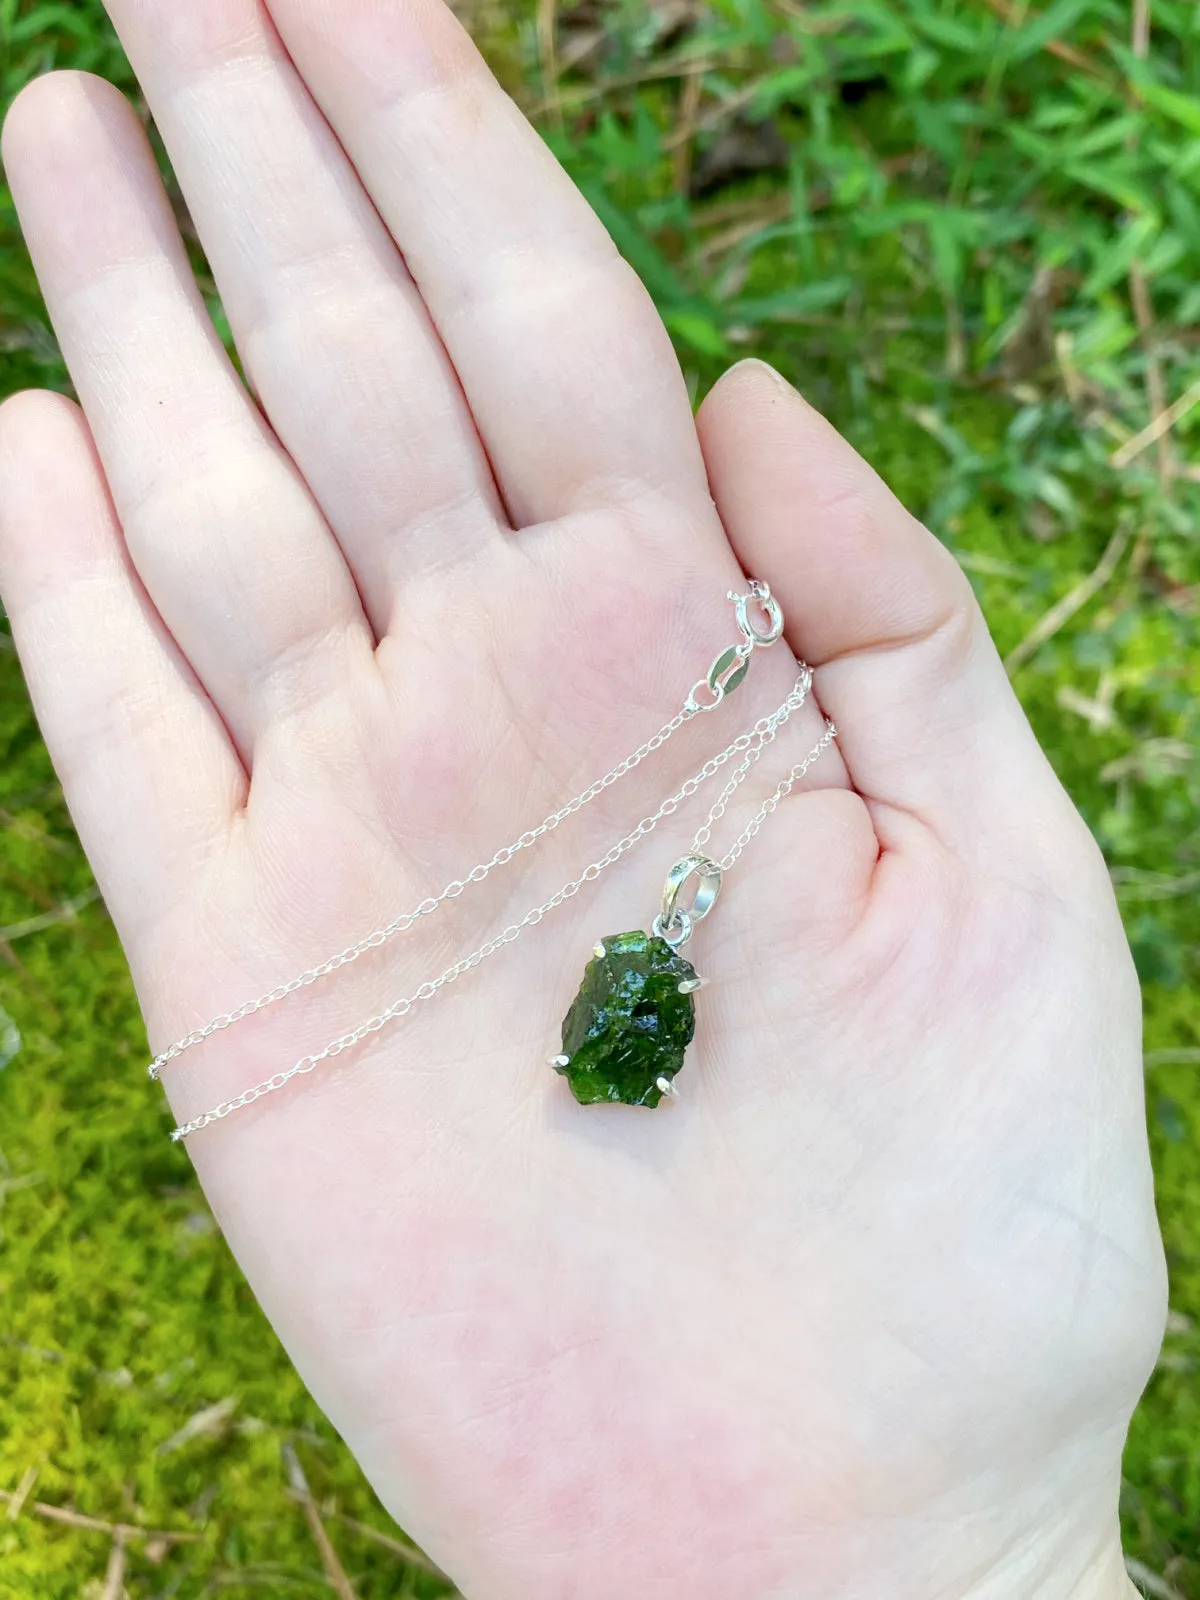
(10, 1038)
(44, 19)
(1050, 24)
(1170, 1119)
(1052, 491)
(944, 30)
(1181, 108)
(698, 331)
(1115, 261)
(1156, 951)
(1044, 151)
(1111, 134)
(648, 262)
(795, 302)
(946, 241)
(1117, 188)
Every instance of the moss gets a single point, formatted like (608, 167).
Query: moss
(124, 1315)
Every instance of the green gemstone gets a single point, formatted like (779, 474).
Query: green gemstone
(629, 1024)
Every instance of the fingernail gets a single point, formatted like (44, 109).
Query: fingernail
(768, 370)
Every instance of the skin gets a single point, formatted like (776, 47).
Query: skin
(867, 1312)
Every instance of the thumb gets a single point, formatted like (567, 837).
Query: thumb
(903, 662)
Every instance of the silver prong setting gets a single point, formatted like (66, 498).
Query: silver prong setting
(665, 1086)
(558, 1061)
(598, 950)
(690, 985)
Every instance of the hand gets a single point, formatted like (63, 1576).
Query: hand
(867, 1313)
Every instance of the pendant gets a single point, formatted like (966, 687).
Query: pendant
(624, 1038)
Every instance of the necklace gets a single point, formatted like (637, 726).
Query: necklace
(626, 1034)
(648, 964)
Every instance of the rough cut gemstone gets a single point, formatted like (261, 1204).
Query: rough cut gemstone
(629, 1024)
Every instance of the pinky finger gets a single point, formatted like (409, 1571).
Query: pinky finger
(147, 768)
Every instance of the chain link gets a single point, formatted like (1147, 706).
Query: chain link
(772, 802)
(748, 745)
(429, 905)
(769, 805)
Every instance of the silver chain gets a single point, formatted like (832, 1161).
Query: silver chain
(749, 745)
(769, 805)
(723, 677)
(760, 622)
(431, 903)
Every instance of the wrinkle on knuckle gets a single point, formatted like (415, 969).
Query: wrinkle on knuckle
(217, 33)
(307, 640)
(206, 484)
(440, 60)
(121, 292)
(531, 279)
(324, 309)
(1067, 863)
(202, 527)
(136, 711)
(953, 634)
(919, 594)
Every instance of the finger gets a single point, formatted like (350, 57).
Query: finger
(927, 722)
(235, 556)
(567, 367)
(146, 765)
(327, 321)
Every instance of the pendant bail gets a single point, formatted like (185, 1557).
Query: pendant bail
(675, 922)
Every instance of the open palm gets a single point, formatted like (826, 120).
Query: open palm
(867, 1312)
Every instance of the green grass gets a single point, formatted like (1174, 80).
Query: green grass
(938, 229)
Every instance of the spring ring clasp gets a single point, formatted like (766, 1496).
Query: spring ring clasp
(759, 595)
(732, 665)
